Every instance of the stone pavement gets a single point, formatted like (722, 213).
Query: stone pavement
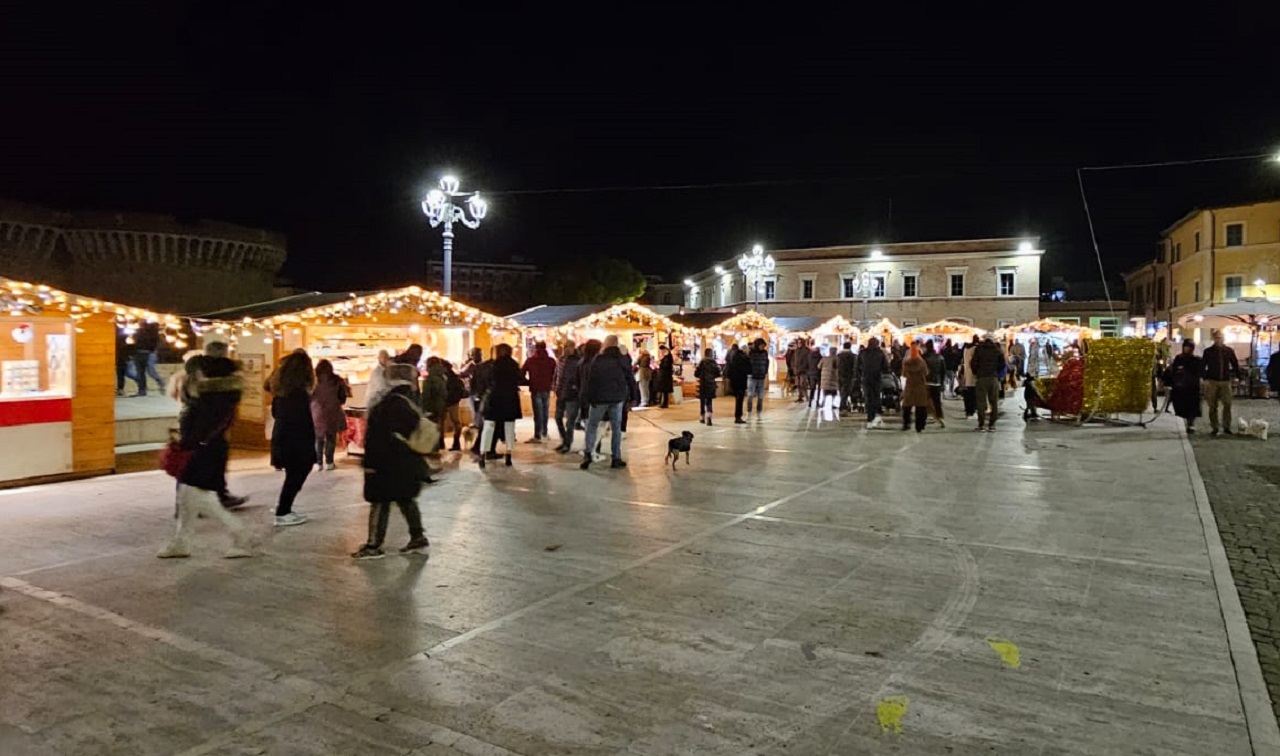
(1242, 478)
(797, 589)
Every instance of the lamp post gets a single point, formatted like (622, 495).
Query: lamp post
(440, 209)
(756, 263)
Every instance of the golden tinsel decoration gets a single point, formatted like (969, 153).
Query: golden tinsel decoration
(1117, 375)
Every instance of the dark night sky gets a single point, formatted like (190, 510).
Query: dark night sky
(328, 127)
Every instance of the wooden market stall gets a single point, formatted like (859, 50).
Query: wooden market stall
(1049, 343)
(720, 330)
(349, 330)
(636, 326)
(884, 330)
(57, 381)
(941, 330)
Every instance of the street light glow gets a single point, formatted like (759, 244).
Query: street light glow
(719, 270)
(1259, 282)
(876, 254)
(1025, 247)
(440, 209)
(688, 282)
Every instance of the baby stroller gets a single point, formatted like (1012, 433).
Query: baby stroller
(890, 393)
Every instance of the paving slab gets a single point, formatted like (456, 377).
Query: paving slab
(1045, 589)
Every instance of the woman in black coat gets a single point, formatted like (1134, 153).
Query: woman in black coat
(502, 405)
(664, 382)
(293, 437)
(393, 473)
(1183, 379)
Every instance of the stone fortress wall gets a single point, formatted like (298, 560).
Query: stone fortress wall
(140, 259)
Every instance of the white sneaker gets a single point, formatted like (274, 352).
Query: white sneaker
(332, 467)
(293, 518)
(877, 423)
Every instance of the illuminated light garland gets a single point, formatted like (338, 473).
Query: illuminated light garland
(21, 298)
(749, 320)
(628, 312)
(942, 328)
(1047, 326)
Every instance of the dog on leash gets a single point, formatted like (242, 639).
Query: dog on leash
(675, 446)
(1256, 428)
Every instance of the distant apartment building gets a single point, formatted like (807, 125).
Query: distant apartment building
(1147, 287)
(658, 292)
(1220, 254)
(988, 283)
(502, 287)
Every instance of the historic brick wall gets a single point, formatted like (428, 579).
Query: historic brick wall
(140, 259)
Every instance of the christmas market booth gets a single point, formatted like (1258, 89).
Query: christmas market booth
(721, 330)
(830, 332)
(940, 331)
(349, 330)
(884, 330)
(58, 378)
(636, 326)
(1048, 343)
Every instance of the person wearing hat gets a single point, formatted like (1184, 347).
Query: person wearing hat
(1183, 379)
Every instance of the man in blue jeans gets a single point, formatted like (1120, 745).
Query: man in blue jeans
(759, 357)
(607, 387)
(875, 365)
(540, 374)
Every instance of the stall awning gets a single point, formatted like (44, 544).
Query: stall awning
(23, 298)
(334, 307)
(570, 317)
(726, 322)
(799, 324)
(554, 316)
(943, 328)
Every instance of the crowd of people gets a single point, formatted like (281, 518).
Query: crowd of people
(1206, 380)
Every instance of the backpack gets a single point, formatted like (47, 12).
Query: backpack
(454, 389)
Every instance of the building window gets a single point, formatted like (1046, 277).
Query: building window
(1197, 241)
(1196, 291)
(1177, 252)
(1073, 320)
(1233, 286)
(806, 288)
(770, 290)
(848, 287)
(1235, 234)
(1109, 326)
(910, 284)
(1007, 280)
(957, 284)
(1004, 324)
(878, 286)
(1175, 296)
(666, 297)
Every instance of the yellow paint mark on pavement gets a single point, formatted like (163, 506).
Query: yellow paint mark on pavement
(1008, 652)
(890, 712)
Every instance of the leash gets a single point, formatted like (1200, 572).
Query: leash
(641, 416)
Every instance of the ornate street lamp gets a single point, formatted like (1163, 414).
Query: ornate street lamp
(440, 210)
(756, 263)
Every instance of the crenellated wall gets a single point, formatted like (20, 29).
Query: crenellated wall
(140, 258)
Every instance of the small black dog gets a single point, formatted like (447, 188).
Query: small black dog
(681, 443)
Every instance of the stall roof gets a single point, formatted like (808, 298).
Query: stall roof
(800, 324)
(284, 305)
(553, 316)
(22, 298)
(319, 307)
(701, 319)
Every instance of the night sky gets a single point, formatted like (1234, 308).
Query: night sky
(329, 126)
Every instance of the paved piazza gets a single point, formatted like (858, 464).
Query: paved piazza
(798, 589)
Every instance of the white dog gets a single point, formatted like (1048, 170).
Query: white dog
(1256, 428)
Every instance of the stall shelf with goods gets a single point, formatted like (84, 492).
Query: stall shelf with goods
(1049, 343)
(348, 329)
(57, 380)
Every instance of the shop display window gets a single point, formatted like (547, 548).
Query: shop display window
(36, 359)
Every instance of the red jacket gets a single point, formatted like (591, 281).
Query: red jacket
(540, 371)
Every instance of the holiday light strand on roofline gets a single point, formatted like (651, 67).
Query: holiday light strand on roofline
(1049, 325)
(629, 313)
(943, 328)
(750, 320)
(21, 298)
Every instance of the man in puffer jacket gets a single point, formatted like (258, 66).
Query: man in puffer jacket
(759, 375)
(567, 383)
(987, 361)
(607, 388)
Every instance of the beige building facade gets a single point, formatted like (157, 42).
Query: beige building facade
(1220, 254)
(987, 283)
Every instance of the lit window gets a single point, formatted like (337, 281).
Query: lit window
(910, 285)
(1235, 234)
(957, 284)
(1233, 285)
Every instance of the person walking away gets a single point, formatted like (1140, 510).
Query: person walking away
(968, 383)
(737, 369)
(435, 394)
(124, 357)
(758, 377)
(951, 362)
(540, 372)
(1018, 359)
(829, 382)
(470, 374)
(567, 382)
(293, 436)
(393, 472)
(605, 388)
(454, 392)
(815, 374)
(378, 386)
(1219, 366)
(875, 366)
(145, 341)
(215, 392)
(936, 376)
(707, 372)
(330, 394)
(896, 357)
(503, 404)
(915, 391)
(1183, 379)
(986, 363)
(847, 372)
(644, 376)
(413, 357)
(801, 363)
(665, 383)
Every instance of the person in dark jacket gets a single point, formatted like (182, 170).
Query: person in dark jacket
(215, 392)
(606, 388)
(435, 395)
(481, 377)
(814, 374)
(146, 340)
(539, 372)
(293, 437)
(124, 357)
(503, 403)
(664, 380)
(937, 368)
(1219, 366)
(393, 472)
(951, 359)
(737, 368)
(707, 372)
(412, 357)
(455, 390)
(759, 376)
(327, 416)
(847, 372)
(874, 365)
(1183, 379)
(567, 383)
(799, 366)
(1273, 375)
(987, 362)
